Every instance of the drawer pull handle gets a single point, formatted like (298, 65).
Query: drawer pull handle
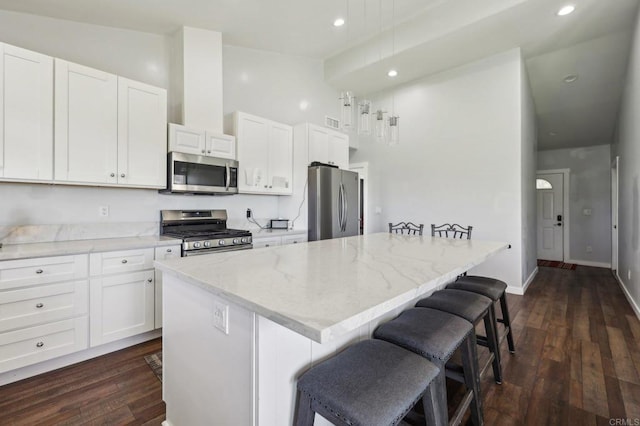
(149, 280)
(40, 344)
(39, 305)
(39, 271)
(124, 260)
(168, 250)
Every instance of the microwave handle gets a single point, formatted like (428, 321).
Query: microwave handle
(228, 176)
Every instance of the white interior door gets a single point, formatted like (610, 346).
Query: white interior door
(614, 214)
(550, 193)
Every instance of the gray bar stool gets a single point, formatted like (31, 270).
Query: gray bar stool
(473, 308)
(368, 384)
(495, 290)
(436, 335)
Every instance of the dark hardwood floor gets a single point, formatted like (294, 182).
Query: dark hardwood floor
(577, 363)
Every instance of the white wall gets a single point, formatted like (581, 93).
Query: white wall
(459, 158)
(589, 188)
(263, 83)
(529, 161)
(628, 148)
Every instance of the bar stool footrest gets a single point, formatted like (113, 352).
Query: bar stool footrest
(456, 419)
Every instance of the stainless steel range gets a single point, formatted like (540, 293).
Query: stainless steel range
(203, 231)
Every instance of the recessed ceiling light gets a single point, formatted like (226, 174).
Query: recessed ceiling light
(392, 73)
(565, 10)
(338, 22)
(570, 78)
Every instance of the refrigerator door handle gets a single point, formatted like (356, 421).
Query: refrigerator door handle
(345, 206)
(340, 207)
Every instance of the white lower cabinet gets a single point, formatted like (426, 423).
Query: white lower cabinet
(122, 295)
(161, 254)
(266, 242)
(294, 239)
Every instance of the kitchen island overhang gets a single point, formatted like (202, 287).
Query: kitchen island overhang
(287, 308)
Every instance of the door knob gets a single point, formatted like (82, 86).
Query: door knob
(558, 224)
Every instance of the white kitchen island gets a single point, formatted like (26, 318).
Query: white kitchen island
(284, 309)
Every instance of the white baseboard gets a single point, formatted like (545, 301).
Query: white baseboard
(632, 302)
(63, 361)
(522, 290)
(590, 263)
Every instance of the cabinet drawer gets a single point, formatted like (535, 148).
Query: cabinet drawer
(294, 239)
(39, 304)
(115, 262)
(167, 252)
(31, 345)
(43, 270)
(266, 242)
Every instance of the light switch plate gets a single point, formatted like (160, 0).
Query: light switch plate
(221, 317)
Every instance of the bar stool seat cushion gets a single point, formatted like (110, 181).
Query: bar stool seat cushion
(370, 383)
(431, 333)
(465, 304)
(489, 287)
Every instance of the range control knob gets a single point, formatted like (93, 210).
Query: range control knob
(196, 245)
(236, 241)
(244, 239)
(207, 244)
(221, 243)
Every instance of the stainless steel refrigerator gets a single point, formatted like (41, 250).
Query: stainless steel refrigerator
(333, 203)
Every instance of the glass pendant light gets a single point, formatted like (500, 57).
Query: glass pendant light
(380, 127)
(348, 100)
(364, 117)
(394, 130)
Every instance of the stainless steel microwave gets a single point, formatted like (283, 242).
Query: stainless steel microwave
(197, 174)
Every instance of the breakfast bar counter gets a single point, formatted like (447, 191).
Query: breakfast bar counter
(240, 327)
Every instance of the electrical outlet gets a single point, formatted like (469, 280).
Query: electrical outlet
(221, 317)
(378, 210)
(103, 211)
(589, 249)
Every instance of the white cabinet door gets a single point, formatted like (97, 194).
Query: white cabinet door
(253, 152)
(339, 150)
(318, 144)
(26, 114)
(281, 159)
(142, 137)
(121, 306)
(86, 124)
(294, 239)
(221, 146)
(161, 254)
(184, 139)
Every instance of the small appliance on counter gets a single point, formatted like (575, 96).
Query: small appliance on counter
(203, 231)
(279, 224)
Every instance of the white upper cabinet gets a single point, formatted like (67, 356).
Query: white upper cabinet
(265, 155)
(108, 130)
(142, 118)
(26, 114)
(201, 142)
(86, 124)
(326, 145)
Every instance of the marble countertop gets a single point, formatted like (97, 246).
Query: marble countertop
(262, 233)
(324, 289)
(60, 248)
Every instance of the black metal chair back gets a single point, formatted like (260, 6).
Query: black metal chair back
(406, 227)
(451, 231)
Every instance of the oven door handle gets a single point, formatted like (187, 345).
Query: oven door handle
(228, 176)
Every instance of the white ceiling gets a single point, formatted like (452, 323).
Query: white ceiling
(430, 36)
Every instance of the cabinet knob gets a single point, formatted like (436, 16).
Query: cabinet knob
(149, 280)
(122, 175)
(112, 175)
(265, 186)
(40, 344)
(209, 152)
(267, 245)
(39, 271)
(295, 242)
(124, 260)
(168, 250)
(203, 151)
(39, 305)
